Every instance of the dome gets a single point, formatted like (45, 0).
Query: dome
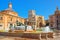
(9, 12)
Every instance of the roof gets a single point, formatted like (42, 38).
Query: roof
(10, 12)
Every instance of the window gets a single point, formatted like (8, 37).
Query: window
(0, 25)
(1, 18)
(11, 19)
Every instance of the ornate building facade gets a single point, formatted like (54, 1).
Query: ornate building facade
(54, 20)
(9, 18)
(40, 22)
(35, 20)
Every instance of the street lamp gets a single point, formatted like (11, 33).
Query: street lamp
(26, 21)
(26, 24)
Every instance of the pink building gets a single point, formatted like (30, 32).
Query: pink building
(54, 20)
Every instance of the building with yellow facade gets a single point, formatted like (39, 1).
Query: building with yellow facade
(40, 22)
(9, 18)
(34, 20)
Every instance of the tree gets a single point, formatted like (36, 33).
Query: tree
(10, 26)
(17, 22)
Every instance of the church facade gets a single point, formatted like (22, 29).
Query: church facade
(34, 20)
(9, 18)
(54, 20)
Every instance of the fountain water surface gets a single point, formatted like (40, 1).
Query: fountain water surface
(46, 29)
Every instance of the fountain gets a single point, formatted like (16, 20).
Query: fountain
(29, 28)
(46, 29)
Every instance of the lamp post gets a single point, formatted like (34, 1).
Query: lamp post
(33, 21)
(26, 21)
(26, 25)
(34, 26)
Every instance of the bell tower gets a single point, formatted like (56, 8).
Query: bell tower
(57, 10)
(31, 13)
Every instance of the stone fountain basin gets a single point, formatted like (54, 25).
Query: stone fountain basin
(28, 35)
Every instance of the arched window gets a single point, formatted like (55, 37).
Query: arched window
(1, 18)
(11, 19)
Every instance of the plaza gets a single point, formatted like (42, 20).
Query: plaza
(33, 25)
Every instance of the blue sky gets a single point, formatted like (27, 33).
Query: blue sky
(42, 7)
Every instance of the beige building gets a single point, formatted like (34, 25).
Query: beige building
(40, 22)
(35, 20)
(9, 18)
(54, 20)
